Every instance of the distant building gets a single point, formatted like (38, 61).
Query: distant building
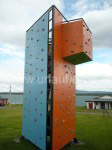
(3, 101)
(81, 97)
(101, 102)
(13, 97)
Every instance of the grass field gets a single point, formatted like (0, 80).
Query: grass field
(92, 128)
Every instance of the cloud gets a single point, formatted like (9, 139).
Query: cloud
(17, 16)
(94, 76)
(98, 17)
(11, 51)
(84, 6)
(11, 72)
(100, 23)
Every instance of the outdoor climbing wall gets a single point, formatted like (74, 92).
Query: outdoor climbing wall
(35, 84)
(64, 123)
(53, 48)
(77, 42)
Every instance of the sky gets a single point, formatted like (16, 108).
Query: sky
(16, 16)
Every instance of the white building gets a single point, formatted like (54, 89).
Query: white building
(101, 102)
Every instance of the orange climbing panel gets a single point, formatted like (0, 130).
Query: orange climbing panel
(77, 42)
(64, 121)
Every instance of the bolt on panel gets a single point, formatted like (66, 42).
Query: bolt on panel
(35, 84)
(64, 121)
(77, 42)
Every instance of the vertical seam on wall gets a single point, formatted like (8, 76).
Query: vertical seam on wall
(52, 75)
(47, 79)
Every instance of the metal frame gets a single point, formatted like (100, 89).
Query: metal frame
(61, 14)
(78, 20)
(41, 17)
(47, 85)
(52, 74)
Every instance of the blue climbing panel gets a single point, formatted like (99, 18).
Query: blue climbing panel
(35, 84)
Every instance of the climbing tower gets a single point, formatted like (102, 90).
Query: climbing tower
(54, 45)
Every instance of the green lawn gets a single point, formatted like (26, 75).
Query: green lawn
(92, 129)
